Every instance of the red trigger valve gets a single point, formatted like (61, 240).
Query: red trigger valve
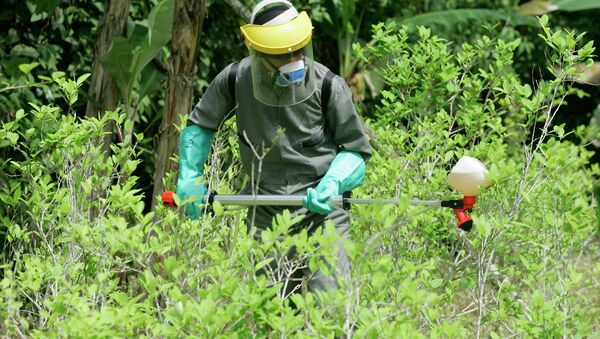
(462, 209)
(465, 222)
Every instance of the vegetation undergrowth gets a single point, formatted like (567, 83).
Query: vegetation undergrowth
(80, 256)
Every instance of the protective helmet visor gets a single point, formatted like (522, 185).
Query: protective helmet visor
(279, 38)
(283, 79)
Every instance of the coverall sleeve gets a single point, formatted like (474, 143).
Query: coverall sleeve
(215, 104)
(344, 121)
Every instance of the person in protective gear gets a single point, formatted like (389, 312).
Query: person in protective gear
(279, 87)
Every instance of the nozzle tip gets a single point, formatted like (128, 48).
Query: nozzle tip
(466, 226)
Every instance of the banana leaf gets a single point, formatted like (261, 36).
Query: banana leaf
(456, 16)
(576, 5)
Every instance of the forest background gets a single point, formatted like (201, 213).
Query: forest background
(93, 93)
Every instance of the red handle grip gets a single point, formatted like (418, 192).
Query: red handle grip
(168, 199)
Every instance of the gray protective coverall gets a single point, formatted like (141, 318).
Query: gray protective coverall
(297, 158)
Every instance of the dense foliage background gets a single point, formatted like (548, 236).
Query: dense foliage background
(82, 247)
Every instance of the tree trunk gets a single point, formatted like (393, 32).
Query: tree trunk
(187, 26)
(103, 91)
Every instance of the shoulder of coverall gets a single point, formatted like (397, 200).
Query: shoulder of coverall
(215, 103)
(340, 109)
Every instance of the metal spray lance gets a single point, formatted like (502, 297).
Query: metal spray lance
(468, 176)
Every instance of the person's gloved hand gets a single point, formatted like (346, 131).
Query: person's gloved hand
(191, 192)
(346, 172)
(316, 199)
(194, 145)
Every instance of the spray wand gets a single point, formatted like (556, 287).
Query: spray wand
(467, 176)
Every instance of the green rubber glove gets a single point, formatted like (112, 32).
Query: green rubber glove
(346, 172)
(194, 144)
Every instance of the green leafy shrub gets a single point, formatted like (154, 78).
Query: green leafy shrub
(517, 271)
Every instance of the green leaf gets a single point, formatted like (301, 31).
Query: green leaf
(378, 280)
(263, 263)
(435, 283)
(177, 200)
(151, 79)
(170, 264)
(118, 62)
(149, 282)
(536, 7)
(374, 81)
(160, 25)
(567, 227)
(27, 68)
(120, 297)
(218, 208)
(82, 78)
(20, 114)
(57, 75)
(45, 78)
(448, 156)
(482, 226)
(576, 5)
(138, 36)
(560, 130)
(9, 139)
(586, 50)
(42, 6)
(537, 299)
(59, 308)
(17, 193)
(452, 17)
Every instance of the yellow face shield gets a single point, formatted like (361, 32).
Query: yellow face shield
(279, 39)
